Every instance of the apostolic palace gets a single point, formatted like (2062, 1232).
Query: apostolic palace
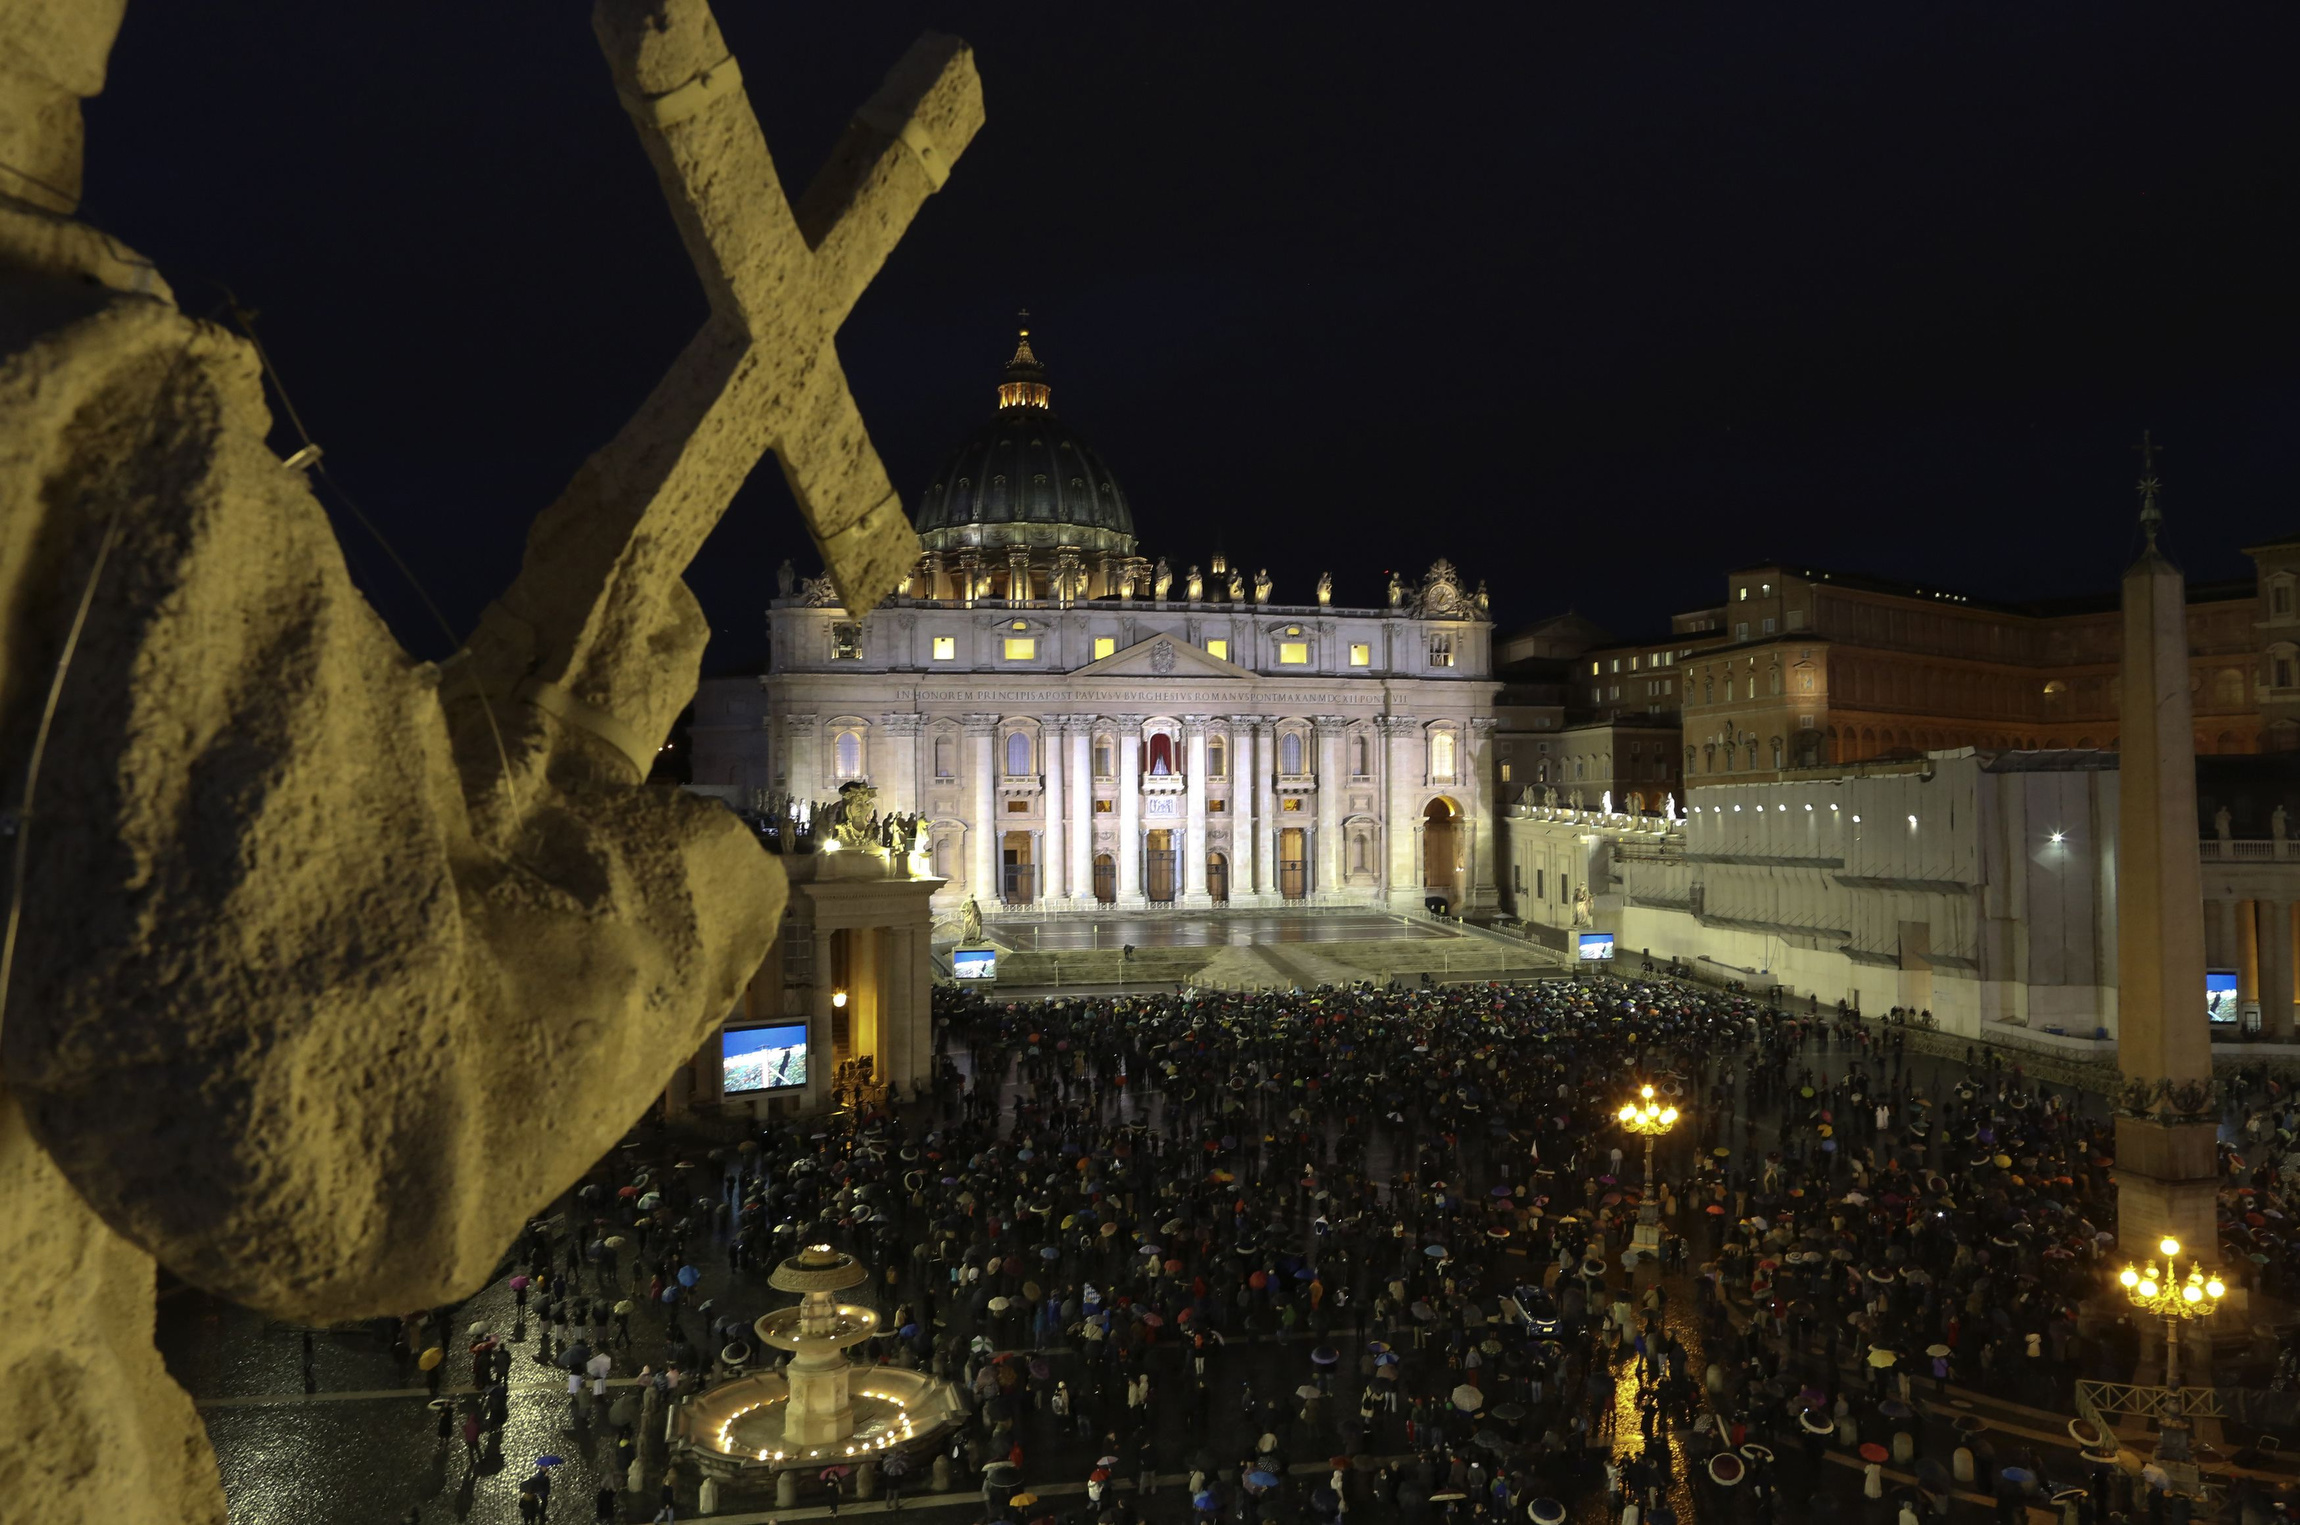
(1082, 727)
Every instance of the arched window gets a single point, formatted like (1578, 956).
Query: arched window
(1217, 758)
(1441, 754)
(1361, 768)
(1161, 755)
(945, 757)
(1774, 678)
(945, 853)
(1017, 754)
(1358, 853)
(1290, 752)
(1102, 757)
(1776, 754)
(1580, 769)
(848, 752)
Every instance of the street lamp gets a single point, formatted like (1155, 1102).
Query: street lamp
(1649, 1119)
(2171, 1299)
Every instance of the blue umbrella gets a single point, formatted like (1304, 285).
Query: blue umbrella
(1434, 1251)
(1049, 1252)
(670, 1294)
(1262, 1479)
(550, 1461)
(1203, 1500)
(688, 1276)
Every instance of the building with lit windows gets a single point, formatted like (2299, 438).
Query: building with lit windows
(1082, 728)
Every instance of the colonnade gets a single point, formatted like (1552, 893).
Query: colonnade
(2256, 939)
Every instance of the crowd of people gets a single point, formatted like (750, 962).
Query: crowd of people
(1309, 1254)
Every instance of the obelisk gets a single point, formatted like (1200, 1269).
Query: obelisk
(2167, 1114)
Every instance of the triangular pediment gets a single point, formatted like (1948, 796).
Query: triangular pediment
(1162, 656)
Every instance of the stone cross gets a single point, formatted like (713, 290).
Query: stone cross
(599, 610)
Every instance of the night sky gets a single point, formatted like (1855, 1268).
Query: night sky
(1597, 301)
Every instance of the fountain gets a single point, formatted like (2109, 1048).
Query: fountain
(820, 1409)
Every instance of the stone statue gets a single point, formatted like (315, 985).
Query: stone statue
(1605, 802)
(2277, 823)
(1325, 588)
(1669, 807)
(1262, 586)
(343, 964)
(1237, 587)
(1194, 586)
(1584, 911)
(1161, 580)
(1397, 591)
(1481, 599)
(786, 579)
(853, 830)
(2222, 824)
(970, 921)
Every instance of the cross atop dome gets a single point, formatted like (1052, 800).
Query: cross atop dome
(1025, 385)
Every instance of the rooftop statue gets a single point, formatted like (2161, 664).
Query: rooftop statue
(342, 964)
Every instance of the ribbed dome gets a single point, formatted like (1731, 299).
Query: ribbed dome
(1025, 478)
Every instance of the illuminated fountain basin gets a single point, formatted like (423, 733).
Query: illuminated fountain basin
(819, 1410)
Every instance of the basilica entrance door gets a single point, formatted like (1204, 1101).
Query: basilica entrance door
(1158, 867)
(1218, 878)
(1105, 879)
(1293, 863)
(1019, 877)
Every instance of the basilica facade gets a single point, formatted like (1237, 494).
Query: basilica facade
(1082, 729)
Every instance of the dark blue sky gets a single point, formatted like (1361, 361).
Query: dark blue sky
(1595, 301)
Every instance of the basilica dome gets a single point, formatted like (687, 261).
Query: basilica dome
(1025, 478)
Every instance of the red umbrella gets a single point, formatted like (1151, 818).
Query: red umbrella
(1871, 1451)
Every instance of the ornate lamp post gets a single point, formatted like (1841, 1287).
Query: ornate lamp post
(2173, 1300)
(1649, 1119)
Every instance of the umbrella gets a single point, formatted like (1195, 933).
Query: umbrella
(1308, 1390)
(1546, 1511)
(616, 1241)
(1324, 1355)
(518, 1283)
(1936, 1350)
(1468, 1399)
(550, 1461)
(1756, 1452)
(1203, 1501)
(688, 1276)
(624, 1306)
(1023, 1500)
(1871, 1451)
(651, 1201)
(440, 1403)
(431, 1358)
(1726, 1469)
(1260, 1479)
(1814, 1422)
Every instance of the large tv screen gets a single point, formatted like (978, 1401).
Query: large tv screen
(762, 1059)
(2220, 996)
(1596, 946)
(974, 963)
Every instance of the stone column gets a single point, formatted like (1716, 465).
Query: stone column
(2275, 968)
(1401, 740)
(1476, 773)
(1081, 798)
(2165, 1168)
(1249, 870)
(795, 768)
(897, 762)
(982, 830)
(1053, 871)
(1129, 743)
(2219, 935)
(1266, 803)
(1326, 868)
(1194, 811)
(2248, 957)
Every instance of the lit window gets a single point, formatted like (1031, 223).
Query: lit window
(1021, 648)
(945, 757)
(1441, 755)
(846, 643)
(1018, 807)
(1293, 653)
(1505, 773)
(1102, 767)
(946, 648)
(1217, 759)
(1361, 655)
(1218, 649)
(1291, 804)
(1017, 754)
(1744, 595)
(1105, 807)
(848, 749)
(1217, 807)
(1104, 645)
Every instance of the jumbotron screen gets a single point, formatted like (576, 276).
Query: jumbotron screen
(762, 1059)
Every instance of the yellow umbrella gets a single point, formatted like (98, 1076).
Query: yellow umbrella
(431, 1358)
(1023, 1500)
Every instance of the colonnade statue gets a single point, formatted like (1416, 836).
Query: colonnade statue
(326, 968)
